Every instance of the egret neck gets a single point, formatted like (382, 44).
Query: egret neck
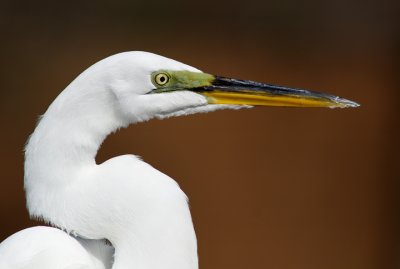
(140, 210)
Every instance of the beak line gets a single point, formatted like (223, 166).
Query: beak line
(244, 92)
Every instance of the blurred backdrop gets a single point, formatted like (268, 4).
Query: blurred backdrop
(284, 188)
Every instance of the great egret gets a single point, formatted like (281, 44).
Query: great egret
(141, 211)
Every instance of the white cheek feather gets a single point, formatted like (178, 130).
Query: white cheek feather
(200, 109)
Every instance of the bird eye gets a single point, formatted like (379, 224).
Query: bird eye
(161, 79)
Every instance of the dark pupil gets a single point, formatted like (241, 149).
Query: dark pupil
(162, 79)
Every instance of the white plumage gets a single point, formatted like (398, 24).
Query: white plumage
(124, 199)
(46, 247)
(141, 211)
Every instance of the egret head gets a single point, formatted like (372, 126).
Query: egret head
(148, 85)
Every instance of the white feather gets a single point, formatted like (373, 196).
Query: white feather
(141, 211)
(45, 247)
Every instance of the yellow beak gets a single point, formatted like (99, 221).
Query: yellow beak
(244, 92)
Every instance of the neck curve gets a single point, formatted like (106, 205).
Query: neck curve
(64, 143)
(70, 132)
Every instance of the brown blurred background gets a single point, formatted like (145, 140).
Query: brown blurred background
(269, 187)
